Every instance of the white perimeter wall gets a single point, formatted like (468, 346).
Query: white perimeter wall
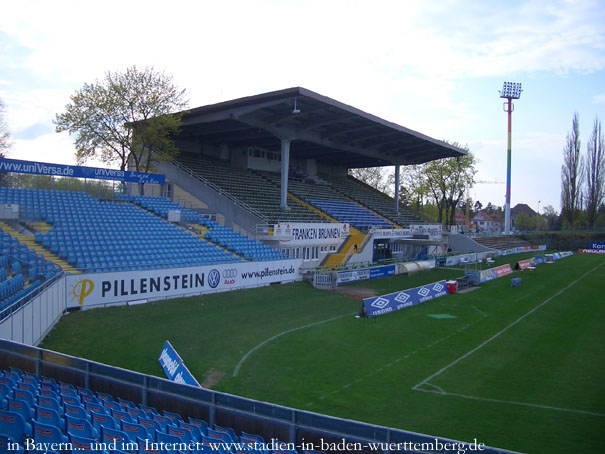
(31, 322)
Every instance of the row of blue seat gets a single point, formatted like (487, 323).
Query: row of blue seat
(49, 412)
(351, 212)
(221, 235)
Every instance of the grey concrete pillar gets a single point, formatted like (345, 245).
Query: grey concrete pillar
(285, 166)
(397, 189)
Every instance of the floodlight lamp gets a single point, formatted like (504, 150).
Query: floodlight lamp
(511, 90)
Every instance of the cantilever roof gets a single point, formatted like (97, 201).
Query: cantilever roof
(319, 127)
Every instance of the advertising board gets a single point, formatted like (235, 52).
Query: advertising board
(95, 289)
(391, 302)
(174, 367)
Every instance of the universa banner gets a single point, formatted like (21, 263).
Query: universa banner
(84, 290)
(174, 367)
(384, 304)
(61, 170)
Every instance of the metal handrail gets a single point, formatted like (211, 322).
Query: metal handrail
(222, 192)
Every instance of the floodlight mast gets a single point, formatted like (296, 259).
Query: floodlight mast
(510, 91)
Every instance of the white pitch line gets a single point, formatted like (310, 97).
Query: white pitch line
(283, 333)
(483, 315)
(499, 333)
(441, 392)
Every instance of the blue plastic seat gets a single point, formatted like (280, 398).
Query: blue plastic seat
(13, 425)
(133, 430)
(21, 407)
(99, 420)
(4, 445)
(80, 427)
(150, 426)
(50, 417)
(45, 433)
(76, 411)
(109, 435)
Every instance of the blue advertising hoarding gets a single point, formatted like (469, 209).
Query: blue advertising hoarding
(174, 368)
(597, 245)
(366, 273)
(378, 305)
(62, 170)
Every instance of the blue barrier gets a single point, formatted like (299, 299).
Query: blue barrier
(367, 273)
(174, 368)
(405, 298)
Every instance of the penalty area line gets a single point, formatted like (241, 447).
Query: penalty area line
(283, 333)
(441, 392)
(499, 333)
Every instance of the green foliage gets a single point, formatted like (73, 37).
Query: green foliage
(525, 223)
(595, 172)
(5, 140)
(375, 177)
(441, 183)
(572, 173)
(446, 181)
(125, 118)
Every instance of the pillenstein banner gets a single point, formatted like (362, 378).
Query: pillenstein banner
(85, 290)
(61, 170)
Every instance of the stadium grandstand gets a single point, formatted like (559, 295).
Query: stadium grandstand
(259, 192)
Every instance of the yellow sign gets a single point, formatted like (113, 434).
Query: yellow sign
(82, 289)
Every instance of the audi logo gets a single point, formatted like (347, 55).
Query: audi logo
(229, 273)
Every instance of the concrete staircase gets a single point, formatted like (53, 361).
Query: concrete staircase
(31, 243)
(346, 250)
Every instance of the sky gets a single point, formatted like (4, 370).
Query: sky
(434, 67)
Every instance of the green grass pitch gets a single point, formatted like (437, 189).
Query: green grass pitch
(516, 368)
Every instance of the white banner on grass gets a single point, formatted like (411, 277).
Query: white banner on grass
(95, 289)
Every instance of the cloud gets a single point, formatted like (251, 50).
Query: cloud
(599, 99)
(33, 131)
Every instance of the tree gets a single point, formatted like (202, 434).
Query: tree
(5, 139)
(446, 181)
(595, 172)
(572, 175)
(126, 118)
(412, 190)
(372, 176)
(524, 223)
(551, 216)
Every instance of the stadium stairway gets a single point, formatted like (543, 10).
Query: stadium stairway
(30, 241)
(346, 250)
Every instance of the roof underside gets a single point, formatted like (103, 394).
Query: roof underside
(322, 129)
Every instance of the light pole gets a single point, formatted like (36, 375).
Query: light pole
(510, 91)
(538, 218)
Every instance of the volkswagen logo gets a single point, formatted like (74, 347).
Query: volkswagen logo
(230, 273)
(214, 278)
